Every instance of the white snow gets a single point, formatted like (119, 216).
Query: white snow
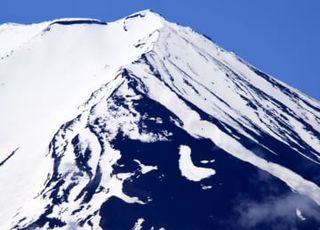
(193, 124)
(207, 161)
(49, 77)
(204, 187)
(14, 36)
(216, 74)
(299, 215)
(146, 168)
(43, 83)
(138, 224)
(188, 169)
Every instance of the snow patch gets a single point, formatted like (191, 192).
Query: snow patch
(204, 187)
(207, 161)
(145, 168)
(138, 224)
(188, 169)
(299, 215)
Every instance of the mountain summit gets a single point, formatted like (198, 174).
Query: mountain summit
(144, 124)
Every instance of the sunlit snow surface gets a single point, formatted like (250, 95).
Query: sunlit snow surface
(188, 169)
(144, 124)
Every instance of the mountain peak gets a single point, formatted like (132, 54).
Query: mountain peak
(145, 13)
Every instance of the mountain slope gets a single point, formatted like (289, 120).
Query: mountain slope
(159, 127)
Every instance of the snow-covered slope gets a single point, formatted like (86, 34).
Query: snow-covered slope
(135, 124)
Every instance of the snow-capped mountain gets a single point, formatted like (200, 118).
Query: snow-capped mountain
(144, 124)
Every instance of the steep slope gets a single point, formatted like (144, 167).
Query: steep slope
(45, 81)
(159, 128)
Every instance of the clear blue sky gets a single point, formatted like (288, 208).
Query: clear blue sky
(281, 37)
